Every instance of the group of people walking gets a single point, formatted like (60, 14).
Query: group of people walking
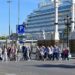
(12, 53)
(42, 53)
(52, 53)
(8, 53)
(26, 53)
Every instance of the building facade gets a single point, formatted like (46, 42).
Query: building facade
(40, 23)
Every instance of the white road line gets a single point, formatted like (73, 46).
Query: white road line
(10, 74)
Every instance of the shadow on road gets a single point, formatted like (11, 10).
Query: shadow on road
(56, 66)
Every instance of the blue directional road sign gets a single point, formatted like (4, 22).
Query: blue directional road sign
(20, 29)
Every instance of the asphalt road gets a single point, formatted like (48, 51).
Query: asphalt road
(38, 68)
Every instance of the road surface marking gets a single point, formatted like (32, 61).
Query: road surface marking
(10, 74)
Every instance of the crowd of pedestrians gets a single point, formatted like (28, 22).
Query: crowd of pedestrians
(8, 53)
(26, 51)
(52, 53)
(11, 53)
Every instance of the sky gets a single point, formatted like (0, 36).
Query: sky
(26, 7)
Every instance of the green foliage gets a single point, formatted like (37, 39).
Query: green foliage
(14, 36)
(3, 38)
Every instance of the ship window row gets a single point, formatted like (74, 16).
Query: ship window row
(45, 28)
(40, 28)
(44, 24)
(47, 17)
(40, 25)
(41, 21)
(52, 10)
(61, 18)
(46, 14)
(40, 15)
(51, 25)
(45, 21)
(48, 11)
(52, 30)
(60, 7)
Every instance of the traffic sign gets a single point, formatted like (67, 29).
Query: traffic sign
(20, 29)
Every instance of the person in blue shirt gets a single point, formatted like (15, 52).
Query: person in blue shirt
(56, 52)
(46, 51)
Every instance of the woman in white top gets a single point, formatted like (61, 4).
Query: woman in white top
(4, 55)
(6, 58)
(50, 54)
(42, 52)
(0, 52)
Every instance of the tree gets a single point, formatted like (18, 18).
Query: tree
(3, 37)
(14, 36)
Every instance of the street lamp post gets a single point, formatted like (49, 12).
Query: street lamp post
(18, 11)
(18, 19)
(67, 23)
(9, 1)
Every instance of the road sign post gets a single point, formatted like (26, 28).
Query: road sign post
(21, 31)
